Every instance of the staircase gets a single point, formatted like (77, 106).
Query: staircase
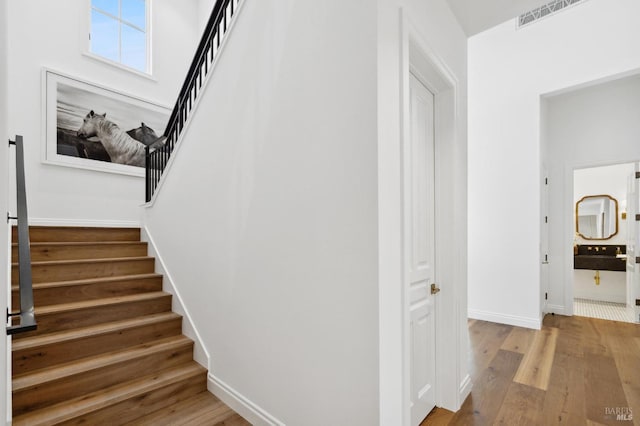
(108, 349)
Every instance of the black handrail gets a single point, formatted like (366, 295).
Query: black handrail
(206, 53)
(27, 311)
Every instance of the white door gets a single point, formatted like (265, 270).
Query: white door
(419, 246)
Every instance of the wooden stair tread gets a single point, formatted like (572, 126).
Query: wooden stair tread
(90, 331)
(63, 250)
(51, 309)
(95, 401)
(37, 378)
(90, 281)
(87, 261)
(81, 243)
(79, 233)
(203, 408)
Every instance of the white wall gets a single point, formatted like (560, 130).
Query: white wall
(441, 34)
(509, 70)
(4, 189)
(588, 127)
(45, 33)
(204, 12)
(275, 188)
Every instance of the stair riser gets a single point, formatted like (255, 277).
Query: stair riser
(131, 409)
(56, 391)
(52, 322)
(71, 252)
(76, 293)
(82, 270)
(32, 359)
(39, 234)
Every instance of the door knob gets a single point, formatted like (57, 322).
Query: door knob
(434, 288)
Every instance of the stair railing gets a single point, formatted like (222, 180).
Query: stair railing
(27, 312)
(214, 33)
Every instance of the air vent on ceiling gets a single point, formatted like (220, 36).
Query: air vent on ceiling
(544, 11)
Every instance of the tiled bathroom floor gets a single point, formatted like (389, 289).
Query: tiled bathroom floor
(603, 310)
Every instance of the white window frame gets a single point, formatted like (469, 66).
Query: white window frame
(148, 60)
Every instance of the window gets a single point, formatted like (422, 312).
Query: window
(119, 32)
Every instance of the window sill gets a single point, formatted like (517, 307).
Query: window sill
(119, 66)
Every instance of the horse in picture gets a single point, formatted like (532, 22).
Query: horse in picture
(144, 134)
(121, 147)
(147, 136)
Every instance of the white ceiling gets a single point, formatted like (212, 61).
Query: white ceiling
(478, 15)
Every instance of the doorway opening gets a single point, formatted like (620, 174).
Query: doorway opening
(605, 201)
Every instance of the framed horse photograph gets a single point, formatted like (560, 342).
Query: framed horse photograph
(93, 127)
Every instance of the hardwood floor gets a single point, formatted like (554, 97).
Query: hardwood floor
(575, 371)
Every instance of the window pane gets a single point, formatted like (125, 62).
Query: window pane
(109, 6)
(134, 48)
(104, 36)
(133, 11)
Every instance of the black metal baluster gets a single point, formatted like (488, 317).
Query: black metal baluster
(206, 53)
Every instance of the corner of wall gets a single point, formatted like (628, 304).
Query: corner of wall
(465, 389)
(200, 353)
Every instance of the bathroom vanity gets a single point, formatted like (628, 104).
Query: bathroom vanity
(599, 269)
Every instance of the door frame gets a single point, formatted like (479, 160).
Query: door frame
(418, 58)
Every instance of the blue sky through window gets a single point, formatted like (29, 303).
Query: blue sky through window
(118, 31)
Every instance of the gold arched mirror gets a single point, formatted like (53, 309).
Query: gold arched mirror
(597, 217)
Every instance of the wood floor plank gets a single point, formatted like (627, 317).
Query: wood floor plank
(592, 423)
(603, 389)
(535, 368)
(518, 340)
(203, 408)
(594, 337)
(569, 341)
(489, 390)
(234, 420)
(564, 402)
(438, 417)
(522, 406)
(625, 354)
(486, 339)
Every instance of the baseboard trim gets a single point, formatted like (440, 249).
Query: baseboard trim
(514, 320)
(92, 223)
(254, 414)
(464, 390)
(556, 309)
(200, 353)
